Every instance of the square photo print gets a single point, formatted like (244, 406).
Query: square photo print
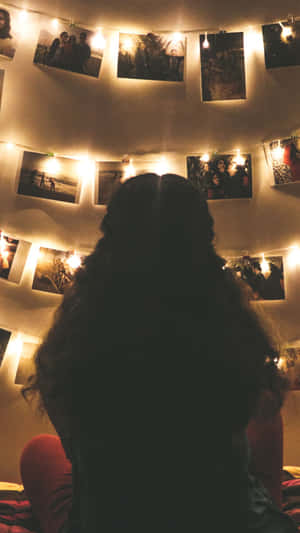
(223, 67)
(282, 44)
(110, 176)
(4, 338)
(285, 160)
(151, 56)
(8, 31)
(54, 178)
(221, 176)
(263, 276)
(70, 48)
(8, 248)
(55, 270)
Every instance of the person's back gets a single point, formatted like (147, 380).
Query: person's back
(152, 370)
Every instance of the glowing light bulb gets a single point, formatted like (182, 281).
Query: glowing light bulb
(205, 158)
(74, 261)
(277, 153)
(55, 23)
(162, 167)
(16, 346)
(9, 146)
(254, 41)
(286, 31)
(280, 363)
(127, 44)
(177, 37)
(3, 244)
(265, 267)
(238, 159)
(129, 172)
(205, 43)
(86, 168)
(294, 256)
(98, 41)
(52, 166)
(23, 15)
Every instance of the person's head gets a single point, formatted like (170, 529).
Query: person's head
(154, 351)
(64, 37)
(221, 165)
(83, 37)
(72, 39)
(4, 24)
(256, 267)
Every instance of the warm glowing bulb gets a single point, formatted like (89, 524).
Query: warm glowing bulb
(265, 267)
(74, 261)
(280, 363)
(129, 172)
(55, 23)
(254, 40)
(23, 15)
(205, 158)
(3, 244)
(98, 41)
(238, 159)
(52, 166)
(294, 256)
(286, 31)
(16, 346)
(277, 153)
(86, 168)
(161, 167)
(127, 44)
(205, 43)
(177, 37)
(9, 146)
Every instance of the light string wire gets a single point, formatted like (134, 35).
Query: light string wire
(289, 19)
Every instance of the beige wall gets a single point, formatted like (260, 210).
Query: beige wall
(71, 114)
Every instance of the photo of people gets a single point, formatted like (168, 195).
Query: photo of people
(55, 270)
(282, 44)
(54, 178)
(70, 48)
(8, 248)
(221, 176)
(223, 67)
(4, 338)
(263, 276)
(26, 365)
(151, 56)
(285, 160)
(8, 39)
(110, 177)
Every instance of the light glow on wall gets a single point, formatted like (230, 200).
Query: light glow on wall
(294, 256)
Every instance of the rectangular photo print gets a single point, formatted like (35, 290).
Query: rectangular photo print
(110, 177)
(4, 338)
(26, 365)
(8, 32)
(221, 176)
(54, 178)
(282, 44)
(70, 48)
(285, 160)
(263, 276)
(8, 248)
(223, 67)
(152, 56)
(55, 270)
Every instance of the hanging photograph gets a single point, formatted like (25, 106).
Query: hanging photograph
(223, 66)
(110, 176)
(55, 270)
(8, 32)
(4, 338)
(70, 48)
(54, 178)
(8, 248)
(263, 276)
(26, 366)
(282, 44)
(285, 160)
(221, 176)
(151, 56)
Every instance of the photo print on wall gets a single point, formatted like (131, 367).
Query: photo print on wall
(8, 32)
(221, 176)
(151, 56)
(282, 44)
(53, 178)
(8, 248)
(263, 277)
(55, 270)
(70, 48)
(4, 338)
(285, 160)
(110, 177)
(26, 367)
(223, 67)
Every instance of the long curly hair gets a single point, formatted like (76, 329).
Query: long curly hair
(155, 351)
(5, 31)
